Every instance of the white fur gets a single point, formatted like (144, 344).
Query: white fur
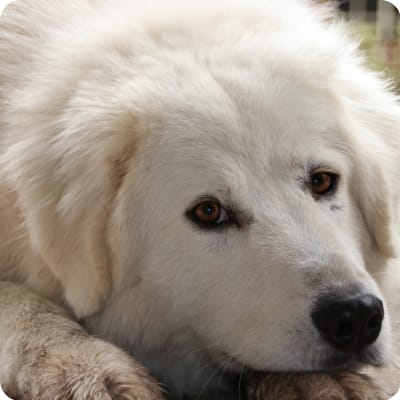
(116, 116)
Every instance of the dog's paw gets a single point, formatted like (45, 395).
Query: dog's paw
(90, 370)
(313, 386)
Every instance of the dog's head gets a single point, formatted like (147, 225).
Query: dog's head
(256, 213)
(239, 186)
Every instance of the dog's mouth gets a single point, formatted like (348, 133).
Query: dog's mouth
(336, 361)
(344, 361)
(239, 375)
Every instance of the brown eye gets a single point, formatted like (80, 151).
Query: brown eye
(208, 211)
(323, 182)
(209, 214)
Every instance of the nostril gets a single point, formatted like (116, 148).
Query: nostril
(373, 327)
(375, 322)
(345, 330)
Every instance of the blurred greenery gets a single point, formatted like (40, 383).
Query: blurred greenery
(382, 54)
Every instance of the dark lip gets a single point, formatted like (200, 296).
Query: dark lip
(334, 365)
(340, 361)
(335, 362)
(240, 378)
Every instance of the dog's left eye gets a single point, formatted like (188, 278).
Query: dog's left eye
(323, 183)
(209, 213)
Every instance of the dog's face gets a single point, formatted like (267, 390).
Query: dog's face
(240, 215)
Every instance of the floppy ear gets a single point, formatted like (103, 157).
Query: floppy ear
(378, 197)
(375, 182)
(66, 174)
(63, 150)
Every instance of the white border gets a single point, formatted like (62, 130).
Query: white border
(396, 3)
(3, 396)
(3, 5)
(396, 396)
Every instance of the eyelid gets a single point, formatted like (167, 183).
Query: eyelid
(237, 216)
(203, 198)
(314, 168)
(224, 215)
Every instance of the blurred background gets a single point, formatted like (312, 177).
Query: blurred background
(377, 24)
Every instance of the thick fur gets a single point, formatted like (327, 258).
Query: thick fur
(116, 118)
(314, 386)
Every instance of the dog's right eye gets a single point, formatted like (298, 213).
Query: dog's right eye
(209, 214)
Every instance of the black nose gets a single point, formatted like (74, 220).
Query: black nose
(351, 324)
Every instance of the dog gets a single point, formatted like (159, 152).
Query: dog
(194, 189)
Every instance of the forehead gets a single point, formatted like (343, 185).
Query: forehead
(268, 126)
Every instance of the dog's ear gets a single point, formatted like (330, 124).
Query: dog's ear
(375, 183)
(378, 197)
(60, 178)
(66, 175)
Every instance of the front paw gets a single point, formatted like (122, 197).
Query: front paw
(89, 369)
(313, 386)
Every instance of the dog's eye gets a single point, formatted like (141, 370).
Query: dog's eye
(323, 183)
(209, 213)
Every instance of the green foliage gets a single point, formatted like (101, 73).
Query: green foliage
(382, 54)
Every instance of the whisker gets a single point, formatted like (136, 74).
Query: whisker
(240, 381)
(380, 273)
(212, 376)
(229, 360)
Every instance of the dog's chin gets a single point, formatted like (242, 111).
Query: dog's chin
(238, 375)
(353, 362)
(334, 361)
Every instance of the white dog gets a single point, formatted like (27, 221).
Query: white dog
(211, 186)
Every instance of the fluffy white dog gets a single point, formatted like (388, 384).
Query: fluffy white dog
(211, 186)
